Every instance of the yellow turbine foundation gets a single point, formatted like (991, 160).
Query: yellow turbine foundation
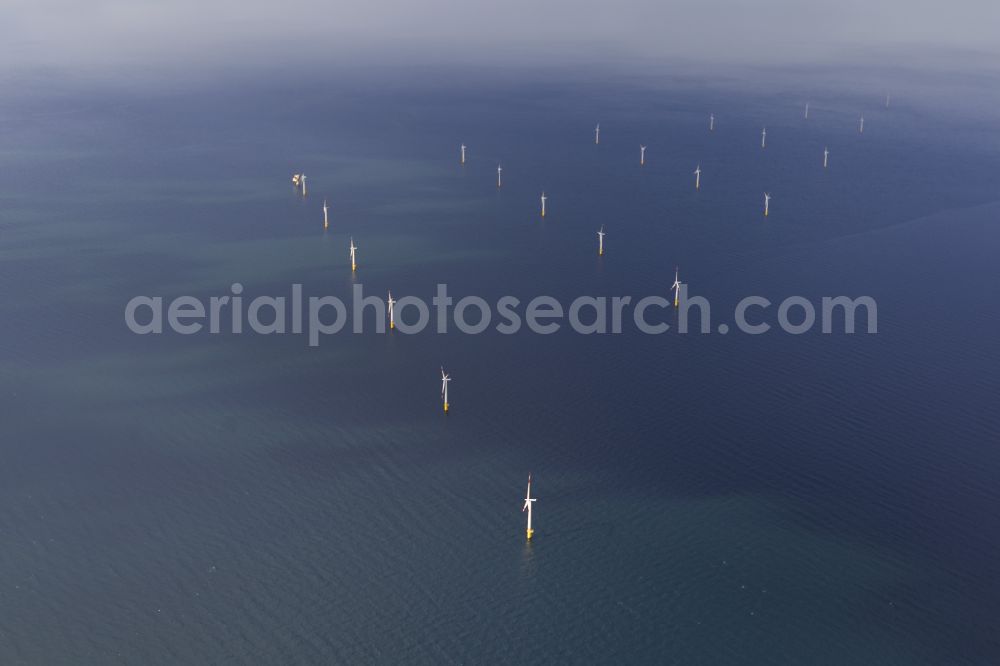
(529, 533)
(446, 406)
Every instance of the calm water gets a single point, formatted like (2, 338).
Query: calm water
(814, 499)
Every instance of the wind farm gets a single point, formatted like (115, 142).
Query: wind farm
(220, 443)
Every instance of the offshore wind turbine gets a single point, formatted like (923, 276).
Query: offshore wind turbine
(711, 122)
(600, 241)
(697, 177)
(597, 133)
(887, 100)
(499, 182)
(861, 124)
(528, 501)
(543, 203)
(303, 181)
(463, 153)
(326, 215)
(392, 315)
(763, 137)
(676, 286)
(642, 155)
(445, 378)
(826, 156)
(354, 248)
(767, 202)
(807, 110)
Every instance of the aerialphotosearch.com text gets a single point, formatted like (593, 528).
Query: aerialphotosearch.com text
(319, 316)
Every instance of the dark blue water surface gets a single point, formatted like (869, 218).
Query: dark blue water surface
(702, 499)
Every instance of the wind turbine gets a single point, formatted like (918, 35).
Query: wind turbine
(697, 178)
(499, 182)
(767, 201)
(543, 203)
(807, 110)
(463, 153)
(600, 241)
(392, 316)
(861, 124)
(826, 156)
(642, 155)
(354, 264)
(326, 215)
(303, 181)
(763, 137)
(676, 286)
(887, 100)
(528, 501)
(445, 378)
(711, 122)
(597, 133)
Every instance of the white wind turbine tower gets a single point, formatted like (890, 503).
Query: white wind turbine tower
(543, 203)
(826, 156)
(600, 241)
(445, 378)
(861, 124)
(326, 215)
(303, 181)
(767, 202)
(499, 169)
(642, 155)
(763, 137)
(887, 100)
(392, 315)
(354, 248)
(528, 501)
(463, 153)
(807, 110)
(711, 122)
(676, 286)
(597, 133)
(697, 177)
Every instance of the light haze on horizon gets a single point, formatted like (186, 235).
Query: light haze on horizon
(128, 34)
